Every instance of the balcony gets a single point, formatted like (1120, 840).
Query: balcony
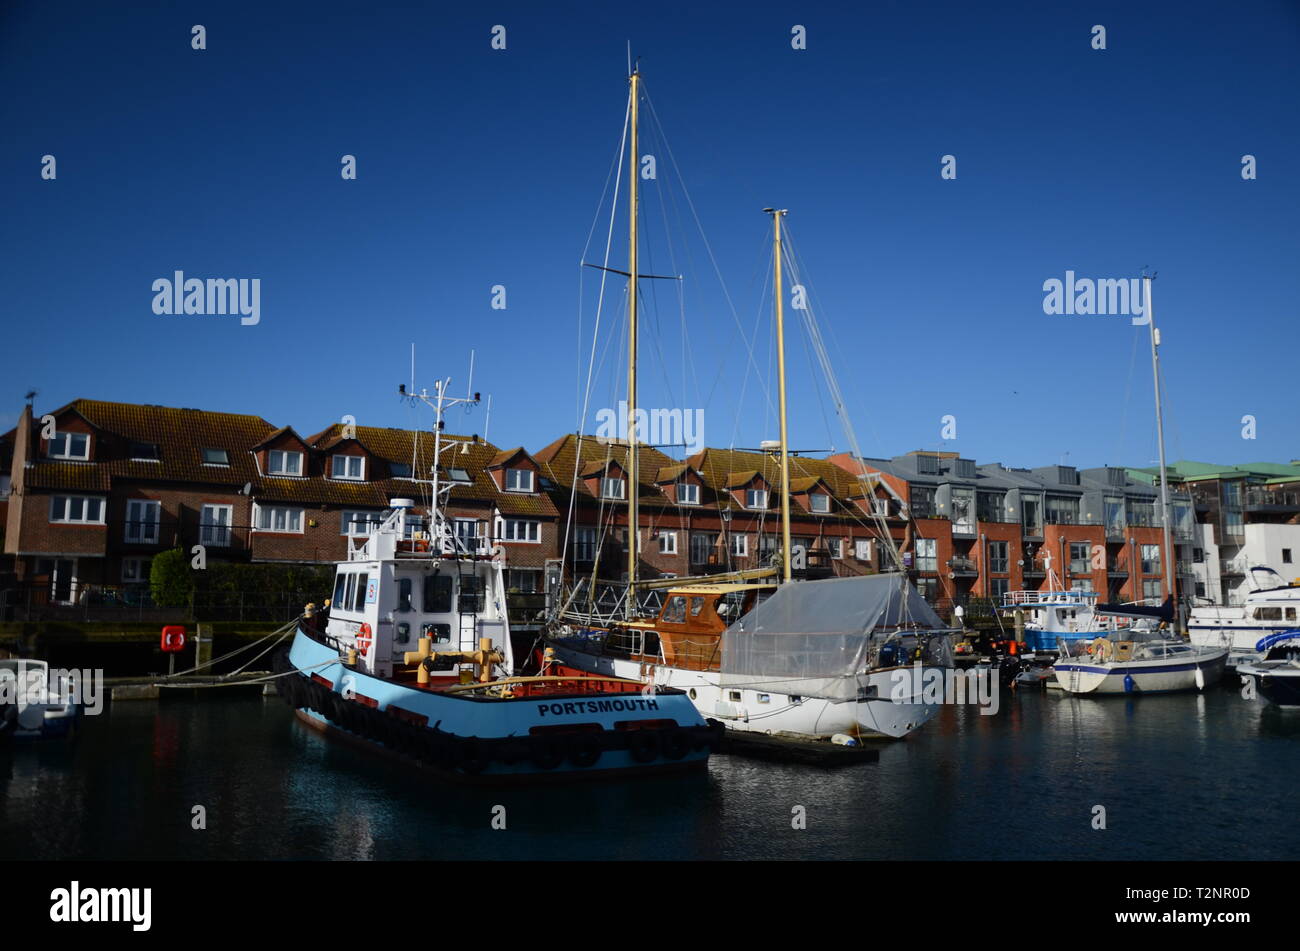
(962, 566)
(1266, 502)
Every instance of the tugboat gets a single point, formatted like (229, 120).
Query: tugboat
(413, 654)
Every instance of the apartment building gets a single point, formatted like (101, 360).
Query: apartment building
(1247, 515)
(983, 530)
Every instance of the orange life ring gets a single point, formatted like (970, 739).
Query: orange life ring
(364, 638)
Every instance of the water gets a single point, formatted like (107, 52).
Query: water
(1180, 777)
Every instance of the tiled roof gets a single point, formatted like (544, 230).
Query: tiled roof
(559, 461)
(720, 467)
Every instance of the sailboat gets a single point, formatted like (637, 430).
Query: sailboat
(836, 659)
(1142, 659)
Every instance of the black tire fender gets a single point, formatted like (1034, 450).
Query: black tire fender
(643, 745)
(676, 744)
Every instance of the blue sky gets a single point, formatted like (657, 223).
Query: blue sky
(479, 167)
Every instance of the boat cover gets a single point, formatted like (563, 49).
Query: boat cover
(824, 634)
(1163, 613)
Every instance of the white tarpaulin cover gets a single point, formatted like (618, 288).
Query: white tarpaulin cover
(827, 633)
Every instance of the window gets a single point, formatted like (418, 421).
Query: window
(1062, 511)
(404, 605)
(143, 452)
(467, 536)
(1151, 559)
(1200, 589)
(523, 581)
(340, 589)
(472, 595)
(277, 518)
(1153, 589)
(963, 520)
(1198, 555)
(4, 486)
(1081, 584)
(349, 467)
(520, 530)
(862, 549)
(768, 546)
(142, 519)
(836, 547)
(457, 474)
(922, 499)
(1142, 512)
(740, 546)
(697, 605)
(998, 588)
(701, 547)
(519, 480)
(359, 596)
(998, 557)
(400, 470)
(756, 499)
(359, 523)
(1114, 509)
(675, 610)
(215, 457)
(819, 502)
(1286, 556)
(927, 554)
(1031, 515)
(1079, 558)
(584, 544)
(667, 543)
(214, 525)
(990, 506)
(69, 446)
(77, 508)
(688, 494)
(437, 594)
(135, 570)
(279, 462)
(1268, 614)
(611, 488)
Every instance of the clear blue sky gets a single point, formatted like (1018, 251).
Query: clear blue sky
(479, 167)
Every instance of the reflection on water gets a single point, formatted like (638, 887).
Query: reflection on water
(1190, 776)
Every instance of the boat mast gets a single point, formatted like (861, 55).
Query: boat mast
(1160, 438)
(633, 480)
(777, 214)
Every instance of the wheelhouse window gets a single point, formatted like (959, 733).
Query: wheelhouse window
(437, 594)
(472, 595)
(280, 462)
(675, 610)
(214, 525)
(688, 493)
(611, 488)
(519, 480)
(819, 502)
(277, 518)
(215, 457)
(69, 446)
(756, 499)
(349, 467)
(77, 509)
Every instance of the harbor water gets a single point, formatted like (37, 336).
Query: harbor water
(1048, 777)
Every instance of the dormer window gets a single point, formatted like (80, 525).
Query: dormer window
(688, 494)
(279, 462)
(143, 452)
(756, 499)
(216, 457)
(400, 470)
(819, 502)
(349, 467)
(69, 446)
(462, 475)
(519, 480)
(611, 488)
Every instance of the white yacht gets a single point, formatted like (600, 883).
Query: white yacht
(1268, 610)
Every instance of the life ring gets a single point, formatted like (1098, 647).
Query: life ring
(676, 744)
(584, 751)
(643, 745)
(1102, 648)
(364, 638)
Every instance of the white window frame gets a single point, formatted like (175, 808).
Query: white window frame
(667, 542)
(753, 495)
(469, 541)
(347, 466)
(65, 438)
(271, 510)
(216, 534)
(284, 454)
(207, 449)
(64, 519)
(509, 530)
(862, 549)
(688, 493)
(609, 482)
(836, 547)
(740, 545)
(141, 529)
(515, 476)
(819, 503)
(349, 529)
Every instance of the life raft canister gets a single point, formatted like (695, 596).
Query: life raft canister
(364, 638)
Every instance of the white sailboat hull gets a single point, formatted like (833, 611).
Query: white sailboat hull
(1165, 675)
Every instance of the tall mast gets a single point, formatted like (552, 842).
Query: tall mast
(777, 214)
(1160, 438)
(633, 480)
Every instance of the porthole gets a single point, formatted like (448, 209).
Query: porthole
(691, 693)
